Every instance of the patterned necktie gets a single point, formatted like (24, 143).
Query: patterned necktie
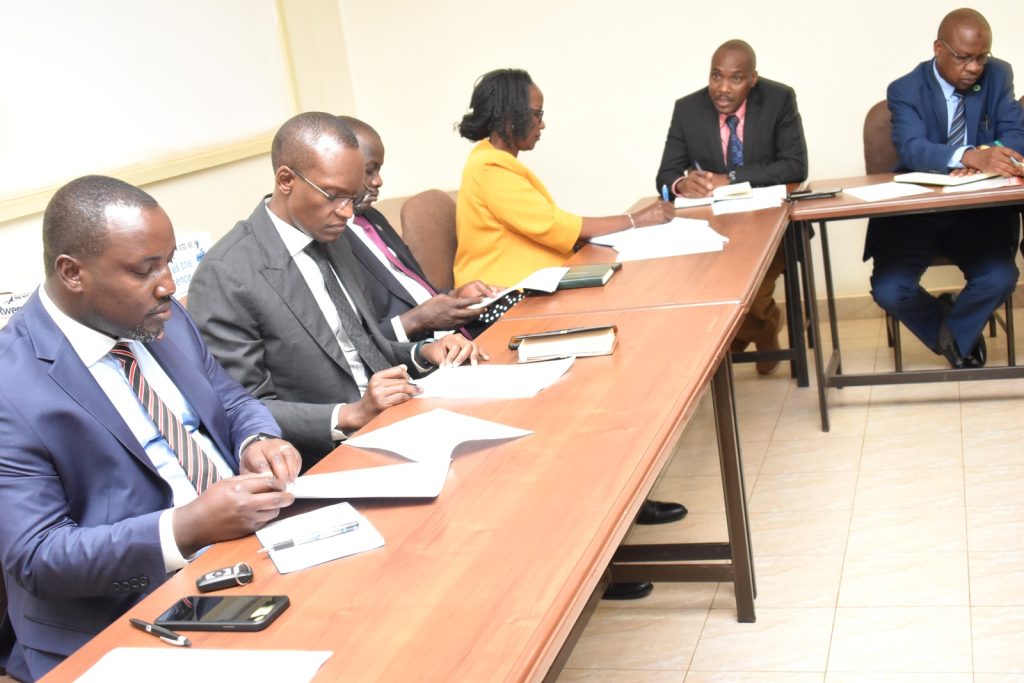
(198, 467)
(350, 321)
(958, 126)
(734, 157)
(378, 242)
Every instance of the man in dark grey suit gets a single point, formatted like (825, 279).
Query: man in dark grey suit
(283, 306)
(739, 128)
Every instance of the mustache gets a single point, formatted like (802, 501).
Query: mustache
(164, 304)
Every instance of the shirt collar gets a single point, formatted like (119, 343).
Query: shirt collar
(295, 241)
(947, 88)
(90, 345)
(740, 113)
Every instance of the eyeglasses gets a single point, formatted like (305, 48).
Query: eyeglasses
(539, 113)
(964, 60)
(340, 200)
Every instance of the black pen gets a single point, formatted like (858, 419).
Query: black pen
(164, 634)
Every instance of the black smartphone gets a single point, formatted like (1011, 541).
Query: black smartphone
(223, 613)
(821, 193)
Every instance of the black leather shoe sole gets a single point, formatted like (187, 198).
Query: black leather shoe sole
(628, 591)
(656, 512)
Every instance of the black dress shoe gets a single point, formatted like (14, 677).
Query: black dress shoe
(628, 591)
(656, 512)
(978, 355)
(948, 347)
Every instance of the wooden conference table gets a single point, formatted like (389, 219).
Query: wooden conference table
(489, 580)
(843, 207)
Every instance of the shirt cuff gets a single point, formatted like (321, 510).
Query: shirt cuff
(337, 434)
(400, 334)
(955, 161)
(173, 559)
(675, 186)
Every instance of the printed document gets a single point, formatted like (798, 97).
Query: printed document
(883, 191)
(404, 480)
(492, 381)
(308, 553)
(678, 237)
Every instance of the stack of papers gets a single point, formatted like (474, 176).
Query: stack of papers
(578, 342)
(737, 198)
(678, 237)
(492, 381)
(308, 550)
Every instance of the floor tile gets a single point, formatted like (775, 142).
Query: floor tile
(780, 640)
(994, 485)
(799, 533)
(909, 488)
(904, 580)
(620, 676)
(910, 530)
(790, 581)
(901, 639)
(994, 448)
(995, 528)
(998, 639)
(911, 451)
(803, 491)
(997, 578)
(752, 677)
(638, 639)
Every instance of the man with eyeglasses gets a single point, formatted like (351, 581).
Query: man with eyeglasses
(283, 305)
(952, 114)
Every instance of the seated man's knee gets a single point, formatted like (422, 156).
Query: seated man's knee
(998, 277)
(893, 292)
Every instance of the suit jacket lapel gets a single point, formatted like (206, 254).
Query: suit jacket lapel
(283, 276)
(940, 118)
(712, 136)
(376, 268)
(752, 127)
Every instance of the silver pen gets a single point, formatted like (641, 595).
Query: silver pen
(311, 537)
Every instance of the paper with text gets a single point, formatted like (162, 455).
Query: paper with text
(678, 237)
(404, 480)
(882, 191)
(493, 381)
(434, 435)
(543, 280)
(176, 664)
(304, 555)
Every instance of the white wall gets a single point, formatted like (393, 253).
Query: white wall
(610, 72)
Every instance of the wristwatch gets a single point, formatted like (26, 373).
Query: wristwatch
(732, 176)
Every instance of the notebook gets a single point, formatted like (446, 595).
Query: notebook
(592, 275)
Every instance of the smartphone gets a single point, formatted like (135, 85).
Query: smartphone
(821, 193)
(223, 613)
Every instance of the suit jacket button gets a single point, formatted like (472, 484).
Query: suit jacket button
(135, 585)
(143, 581)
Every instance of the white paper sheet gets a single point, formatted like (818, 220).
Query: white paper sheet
(882, 191)
(366, 537)
(763, 198)
(923, 178)
(493, 381)
(434, 435)
(989, 184)
(689, 203)
(678, 237)
(543, 280)
(404, 480)
(203, 665)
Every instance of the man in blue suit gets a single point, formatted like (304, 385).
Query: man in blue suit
(121, 438)
(953, 114)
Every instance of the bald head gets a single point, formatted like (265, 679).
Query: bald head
(740, 49)
(962, 19)
(301, 137)
(372, 149)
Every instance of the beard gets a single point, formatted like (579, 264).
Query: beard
(144, 335)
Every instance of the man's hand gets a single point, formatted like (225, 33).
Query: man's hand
(440, 312)
(229, 509)
(475, 289)
(453, 349)
(656, 213)
(994, 160)
(700, 183)
(385, 389)
(272, 456)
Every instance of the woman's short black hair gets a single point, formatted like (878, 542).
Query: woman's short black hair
(500, 105)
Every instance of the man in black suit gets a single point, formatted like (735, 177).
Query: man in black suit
(739, 128)
(409, 307)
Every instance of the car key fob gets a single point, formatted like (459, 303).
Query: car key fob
(225, 577)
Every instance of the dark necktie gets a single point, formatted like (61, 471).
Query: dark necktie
(350, 321)
(734, 157)
(958, 126)
(198, 467)
(393, 259)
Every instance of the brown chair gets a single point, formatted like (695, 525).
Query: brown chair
(428, 227)
(880, 156)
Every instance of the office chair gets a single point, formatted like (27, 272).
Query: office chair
(880, 156)
(428, 227)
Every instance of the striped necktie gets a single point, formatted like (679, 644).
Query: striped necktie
(735, 146)
(958, 126)
(198, 467)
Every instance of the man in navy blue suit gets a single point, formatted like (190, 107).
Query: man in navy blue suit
(121, 438)
(952, 114)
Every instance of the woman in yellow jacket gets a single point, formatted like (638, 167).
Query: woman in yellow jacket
(506, 221)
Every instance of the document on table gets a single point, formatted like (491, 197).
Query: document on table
(543, 280)
(882, 191)
(988, 184)
(404, 480)
(433, 436)
(763, 198)
(329, 547)
(493, 381)
(678, 237)
(175, 664)
(923, 178)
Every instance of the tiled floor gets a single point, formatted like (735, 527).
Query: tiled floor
(889, 549)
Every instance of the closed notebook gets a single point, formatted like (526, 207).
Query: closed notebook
(593, 275)
(579, 341)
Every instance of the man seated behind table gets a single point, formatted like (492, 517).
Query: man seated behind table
(284, 307)
(951, 114)
(739, 128)
(408, 305)
(509, 226)
(120, 436)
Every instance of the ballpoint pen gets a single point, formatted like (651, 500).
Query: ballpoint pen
(1016, 163)
(696, 165)
(664, 192)
(309, 538)
(164, 634)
